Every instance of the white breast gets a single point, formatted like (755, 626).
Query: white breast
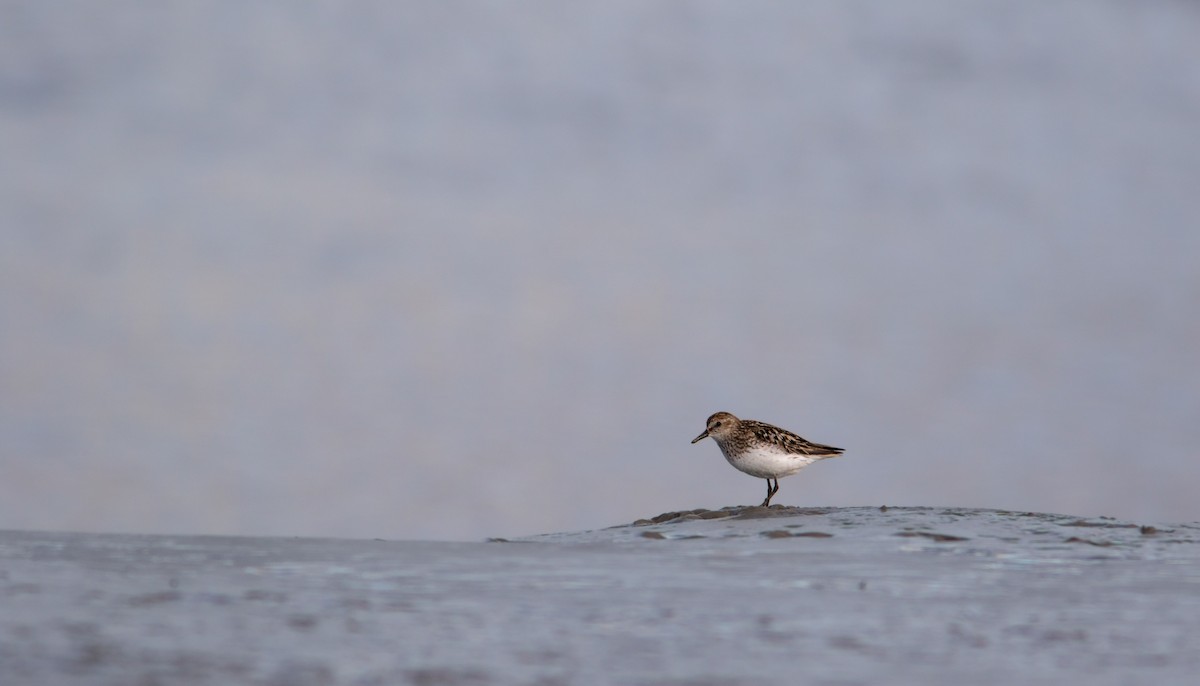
(768, 464)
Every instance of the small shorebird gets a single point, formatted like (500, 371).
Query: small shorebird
(762, 450)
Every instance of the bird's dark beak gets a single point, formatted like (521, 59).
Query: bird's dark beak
(701, 437)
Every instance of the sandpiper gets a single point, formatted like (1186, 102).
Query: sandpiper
(762, 450)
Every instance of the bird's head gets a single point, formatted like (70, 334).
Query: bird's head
(718, 427)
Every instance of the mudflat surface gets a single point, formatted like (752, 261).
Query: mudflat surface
(735, 596)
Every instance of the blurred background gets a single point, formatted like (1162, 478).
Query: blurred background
(449, 270)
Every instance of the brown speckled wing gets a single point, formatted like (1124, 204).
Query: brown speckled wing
(793, 443)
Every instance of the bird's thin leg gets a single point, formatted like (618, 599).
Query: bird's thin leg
(770, 492)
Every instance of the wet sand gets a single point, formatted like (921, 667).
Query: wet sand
(735, 596)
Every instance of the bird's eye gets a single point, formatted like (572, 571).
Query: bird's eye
(716, 424)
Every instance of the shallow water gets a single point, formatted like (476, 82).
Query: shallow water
(839, 595)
